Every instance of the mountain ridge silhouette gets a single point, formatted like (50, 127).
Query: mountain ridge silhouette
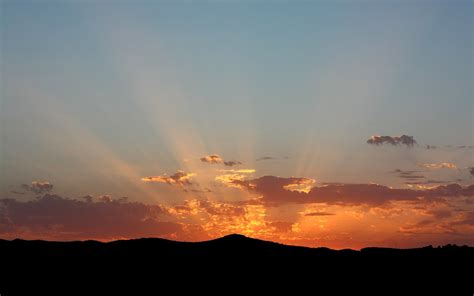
(226, 260)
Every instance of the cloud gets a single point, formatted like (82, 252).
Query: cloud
(466, 219)
(38, 187)
(471, 171)
(105, 198)
(465, 147)
(300, 185)
(408, 174)
(281, 226)
(213, 158)
(209, 207)
(442, 165)
(310, 214)
(240, 171)
(56, 217)
(231, 163)
(425, 184)
(408, 141)
(274, 191)
(178, 178)
(217, 159)
(231, 176)
(411, 176)
(266, 158)
(87, 198)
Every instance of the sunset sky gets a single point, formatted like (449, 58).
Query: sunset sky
(342, 124)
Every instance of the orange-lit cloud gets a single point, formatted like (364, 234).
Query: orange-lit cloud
(213, 158)
(231, 178)
(216, 159)
(300, 185)
(442, 165)
(178, 178)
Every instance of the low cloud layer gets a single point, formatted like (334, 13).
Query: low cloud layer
(55, 217)
(274, 190)
(408, 141)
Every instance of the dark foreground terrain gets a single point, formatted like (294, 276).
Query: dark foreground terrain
(235, 261)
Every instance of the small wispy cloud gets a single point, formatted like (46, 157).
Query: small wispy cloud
(442, 165)
(408, 141)
(231, 163)
(266, 158)
(178, 178)
(217, 159)
(409, 174)
(319, 214)
(213, 158)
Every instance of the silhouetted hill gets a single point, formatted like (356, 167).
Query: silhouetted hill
(232, 258)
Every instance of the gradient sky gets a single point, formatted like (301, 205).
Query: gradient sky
(111, 99)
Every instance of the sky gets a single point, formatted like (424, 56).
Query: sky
(343, 124)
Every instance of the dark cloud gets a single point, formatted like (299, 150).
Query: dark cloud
(412, 176)
(87, 198)
(216, 159)
(178, 178)
(440, 213)
(205, 190)
(275, 190)
(38, 187)
(319, 214)
(408, 174)
(55, 217)
(231, 163)
(408, 141)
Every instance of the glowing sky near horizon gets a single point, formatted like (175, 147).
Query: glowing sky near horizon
(250, 117)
